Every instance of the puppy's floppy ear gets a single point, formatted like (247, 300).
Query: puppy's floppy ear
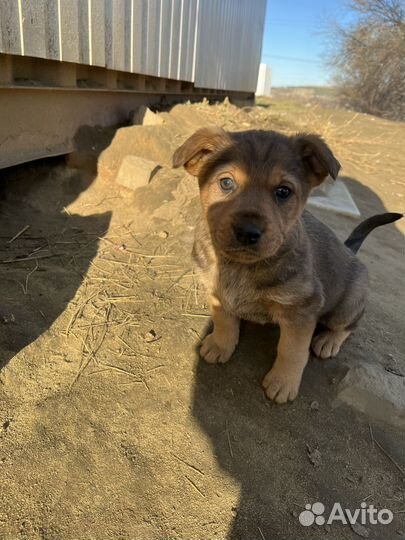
(317, 157)
(199, 147)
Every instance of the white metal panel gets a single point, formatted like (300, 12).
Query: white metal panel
(33, 24)
(115, 34)
(188, 42)
(68, 31)
(83, 27)
(97, 33)
(153, 41)
(139, 29)
(10, 36)
(164, 41)
(174, 38)
(183, 40)
(229, 44)
(127, 35)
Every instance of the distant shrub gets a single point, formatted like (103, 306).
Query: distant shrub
(368, 58)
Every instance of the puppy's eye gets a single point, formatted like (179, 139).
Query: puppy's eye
(227, 184)
(283, 192)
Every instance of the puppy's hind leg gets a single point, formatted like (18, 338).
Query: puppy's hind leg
(218, 346)
(327, 343)
(341, 321)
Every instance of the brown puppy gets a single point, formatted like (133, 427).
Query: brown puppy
(263, 257)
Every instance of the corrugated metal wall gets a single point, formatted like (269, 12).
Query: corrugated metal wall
(229, 44)
(212, 43)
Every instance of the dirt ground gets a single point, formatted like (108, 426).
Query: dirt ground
(110, 425)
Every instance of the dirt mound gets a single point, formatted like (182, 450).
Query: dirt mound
(154, 143)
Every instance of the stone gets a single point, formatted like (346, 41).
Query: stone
(136, 172)
(314, 406)
(145, 117)
(376, 392)
(314, 456)
(154, 143)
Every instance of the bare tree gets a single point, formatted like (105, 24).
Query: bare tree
(368, 58)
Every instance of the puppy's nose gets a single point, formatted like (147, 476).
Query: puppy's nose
(247, 234)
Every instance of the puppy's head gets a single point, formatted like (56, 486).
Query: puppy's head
(254, 185)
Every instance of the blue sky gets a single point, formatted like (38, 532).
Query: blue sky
(294, 40)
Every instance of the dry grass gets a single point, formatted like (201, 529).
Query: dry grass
(351, 143)
(104, 317)
(347, 139)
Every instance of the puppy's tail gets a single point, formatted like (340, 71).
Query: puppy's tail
(359, 234)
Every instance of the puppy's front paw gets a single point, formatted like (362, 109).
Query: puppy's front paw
(281, 386)
(213, 353)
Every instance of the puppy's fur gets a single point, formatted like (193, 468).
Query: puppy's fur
(263, 257)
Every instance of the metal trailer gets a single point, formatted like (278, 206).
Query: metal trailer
(68, 63)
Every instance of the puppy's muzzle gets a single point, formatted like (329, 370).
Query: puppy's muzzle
(247, 234)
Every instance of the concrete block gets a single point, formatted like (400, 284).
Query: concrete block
(376, 392)
(136, 172)
(334, 195)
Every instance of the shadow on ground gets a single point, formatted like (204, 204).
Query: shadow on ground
(284, 457)
(42, 268)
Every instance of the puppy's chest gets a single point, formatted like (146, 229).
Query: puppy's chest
(240, 295)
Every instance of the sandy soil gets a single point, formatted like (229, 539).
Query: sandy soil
(110, 425)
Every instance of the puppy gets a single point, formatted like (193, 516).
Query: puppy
(266, 259)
